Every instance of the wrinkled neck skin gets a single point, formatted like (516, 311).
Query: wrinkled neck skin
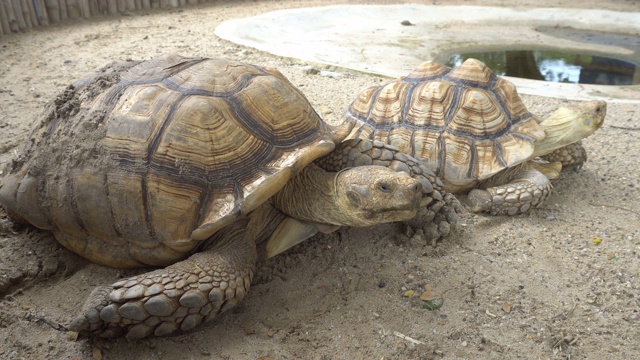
(568, 125)
(312, 196)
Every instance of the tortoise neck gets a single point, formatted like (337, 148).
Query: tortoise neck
(312, 196)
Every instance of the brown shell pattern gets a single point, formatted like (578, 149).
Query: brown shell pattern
(187, 146)
(467, 123)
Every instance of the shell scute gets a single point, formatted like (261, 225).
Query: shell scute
(478, 115)
(473, 73)
(459, 157)
(133, 123)
(428, 70)
(488, 158)
(389, 106)
(430, 104)
(276, 113)
(510, 100)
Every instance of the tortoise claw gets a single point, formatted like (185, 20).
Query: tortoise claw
(89, 318)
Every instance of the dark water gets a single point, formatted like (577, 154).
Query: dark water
(556, 66)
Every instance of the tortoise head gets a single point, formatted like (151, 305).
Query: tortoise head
(368, 195)
(568, 125)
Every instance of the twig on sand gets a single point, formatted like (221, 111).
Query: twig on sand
(624, 127)
(405, 337)
(615, 207)
(54, 325)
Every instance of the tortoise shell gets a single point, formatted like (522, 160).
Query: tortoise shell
(139, 163)
(466, 123)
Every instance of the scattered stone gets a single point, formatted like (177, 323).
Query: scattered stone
(506, 307)
(330, 74)
(49, 266)
(406, 23)
(310, 70)
(418, 239)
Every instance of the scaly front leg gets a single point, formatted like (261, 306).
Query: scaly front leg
(178, 297)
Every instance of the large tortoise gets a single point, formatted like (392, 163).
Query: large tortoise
(471, 128)
(200, 165)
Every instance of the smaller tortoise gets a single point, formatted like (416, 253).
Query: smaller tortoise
(471, 128)
(202, 166)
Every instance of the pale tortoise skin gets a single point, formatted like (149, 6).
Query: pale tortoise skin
(199, 167)
(471, 128)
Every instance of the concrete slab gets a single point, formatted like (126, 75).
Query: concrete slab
(372, 38)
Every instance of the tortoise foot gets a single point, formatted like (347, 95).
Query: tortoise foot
(438, 219)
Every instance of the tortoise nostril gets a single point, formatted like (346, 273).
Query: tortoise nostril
(417, 187)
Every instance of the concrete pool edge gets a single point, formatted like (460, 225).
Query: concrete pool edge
(334, 35)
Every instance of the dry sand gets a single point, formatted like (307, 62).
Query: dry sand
(533, 286)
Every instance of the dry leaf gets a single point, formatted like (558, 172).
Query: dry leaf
(246, 327)
(429, 295)
(97, 354)
(71, 335)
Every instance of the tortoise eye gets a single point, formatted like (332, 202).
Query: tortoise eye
(384, 187)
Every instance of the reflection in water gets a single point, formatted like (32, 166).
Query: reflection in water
(556, 66)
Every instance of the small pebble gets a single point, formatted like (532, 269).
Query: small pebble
(49, 266)
(551, 218)
(330, 74)
(310, 70)
(382, 284)
(408, 293)
(406, 23)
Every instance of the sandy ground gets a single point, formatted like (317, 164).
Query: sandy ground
(535, 286)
